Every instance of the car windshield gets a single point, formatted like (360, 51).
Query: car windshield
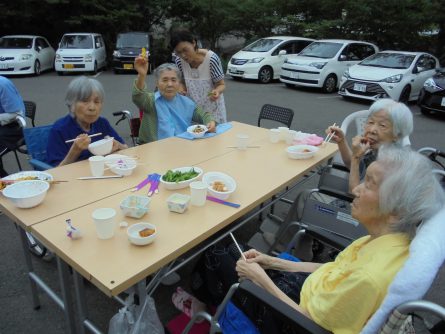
(76, 42)
(321, 50)
(15, 43)
(389, 60)
(262, 45)
(132, 41)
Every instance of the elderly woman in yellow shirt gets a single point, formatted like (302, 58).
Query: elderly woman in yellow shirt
(399, 193)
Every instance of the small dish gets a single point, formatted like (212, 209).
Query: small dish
(101, 147)
(133, 233)
(197, 131)
(301, 151)
(218, 179)
(135, 206)
(29, 175)
(178, 202)
(123, 167)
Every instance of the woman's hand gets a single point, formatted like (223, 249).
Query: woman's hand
(253, 256)
(141, 65)
(211, 126)
(338, 136)
(360, 146)
(214, 95)
(251, 271)
(81, 142)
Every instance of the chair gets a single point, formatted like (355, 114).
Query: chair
(36, 140)
(30, 111)
(277, 114)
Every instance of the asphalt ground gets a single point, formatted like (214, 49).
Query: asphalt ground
(314, 111)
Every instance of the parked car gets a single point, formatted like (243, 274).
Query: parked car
(128, 46)
(322, 63)
(81, 52)
(395, 74)
(262, 59)
(25, 54)
(432, 95)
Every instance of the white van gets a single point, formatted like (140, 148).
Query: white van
(80, 52)
(322, 63)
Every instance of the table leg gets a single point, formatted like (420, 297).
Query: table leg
(67, 297)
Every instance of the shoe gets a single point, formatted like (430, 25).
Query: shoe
(171, 279)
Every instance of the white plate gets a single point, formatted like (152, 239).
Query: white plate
(33, 173)
(111, 159)
(201, 134)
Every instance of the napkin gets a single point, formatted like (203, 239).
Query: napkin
(220, 128)
(307, 139)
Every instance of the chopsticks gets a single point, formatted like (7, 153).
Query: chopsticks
(220, 201)
(49, 181)
(90, 136)
(252, 146)
(237, 246)
(330, 135)
(100, 177)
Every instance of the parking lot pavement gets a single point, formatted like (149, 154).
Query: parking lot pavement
(314, 111)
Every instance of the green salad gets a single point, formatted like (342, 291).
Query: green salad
(178, 176)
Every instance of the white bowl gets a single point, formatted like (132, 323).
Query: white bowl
(178, 202)
(37, 175)
(101, 147)
(123, 167)
(135, 238)
(301, 151)
(26, 194)
(135, 206)
(210, 177)
(197, 134)
(181, 184)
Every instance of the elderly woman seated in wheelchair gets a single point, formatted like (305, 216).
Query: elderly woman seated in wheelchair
(84, 98)
(399, 192)
(388, 122)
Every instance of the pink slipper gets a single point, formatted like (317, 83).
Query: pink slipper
(187, 303)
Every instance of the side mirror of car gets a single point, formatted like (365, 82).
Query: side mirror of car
(97, 45)
(282, 52)
(342, 57)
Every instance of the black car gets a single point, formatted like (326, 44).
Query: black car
(432, 95)
(128, 46)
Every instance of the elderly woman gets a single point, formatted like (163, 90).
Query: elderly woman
(388, 122)
(166, 113)
(342, 295)
(84, 99)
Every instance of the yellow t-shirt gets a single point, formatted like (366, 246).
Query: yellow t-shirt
(342, 295)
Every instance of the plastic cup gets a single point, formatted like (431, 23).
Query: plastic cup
(241, 141)
(97, 165)
(283, 132)
(198, 193)
(290, 136)
(274, 135)
(104, 220)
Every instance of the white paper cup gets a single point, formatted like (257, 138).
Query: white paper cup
(283, 132)
(290, 136)
(97, 165)
(274, 135)
(198, 193)
(241, 141)
(105, 224)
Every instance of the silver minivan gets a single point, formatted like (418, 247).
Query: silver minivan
(80, 52)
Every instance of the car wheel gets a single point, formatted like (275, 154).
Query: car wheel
(95, 68)
(265, 75)
(404, 95)
(59, 73)
(425, 111)
(37, 68)
(236, 78)
(330, 84)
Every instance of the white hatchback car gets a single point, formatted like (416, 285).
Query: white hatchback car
(262, 59)
(322, 63)
(81, 52)
(25, 54)
(395, 74)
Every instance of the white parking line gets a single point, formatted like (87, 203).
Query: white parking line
(97, 74)
(329, 97)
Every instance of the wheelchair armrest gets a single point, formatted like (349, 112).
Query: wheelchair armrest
(282, 311)
(39, 165)
(340, 166)
(334, 181)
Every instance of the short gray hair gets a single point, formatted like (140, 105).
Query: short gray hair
(399, 114)
(81, 88)
(409, 190)
(167, 67)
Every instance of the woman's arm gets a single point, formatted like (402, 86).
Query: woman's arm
(359, 148)
(81, 143)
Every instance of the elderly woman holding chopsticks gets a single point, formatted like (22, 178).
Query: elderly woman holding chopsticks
(70, 136)
(389, 122)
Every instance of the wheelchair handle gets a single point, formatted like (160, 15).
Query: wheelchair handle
(124, 114)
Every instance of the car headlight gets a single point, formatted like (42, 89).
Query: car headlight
(89, 57)
(318, 65)
(116, 53)
(58, 57)
(26, 56)
(256, 60)
(346, 74)
(431, 84)
(393, 79)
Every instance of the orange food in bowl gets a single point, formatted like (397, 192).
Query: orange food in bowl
(146, 232)
(219, 186)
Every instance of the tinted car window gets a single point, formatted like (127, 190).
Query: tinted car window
(321, 50)
(262, 45)
(357, 51)
(15, 43)
(132, 41)
(77, 42)
(389, 60)
(41, 43)
(425, 63)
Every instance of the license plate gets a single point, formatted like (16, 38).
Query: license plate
(442, 103)
(3, 66)
(68, 65)
(360, 87)
(128, 66)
